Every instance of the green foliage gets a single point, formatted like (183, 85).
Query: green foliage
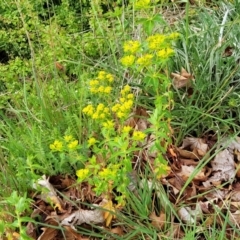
(20, 205)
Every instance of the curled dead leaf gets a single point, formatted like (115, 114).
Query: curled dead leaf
(158, 221)
(71, 234)
(189, 215)
(49, 193)
(83, 216)
(188, 171)
(187, 154)
(234, 218)
(86, 216)
(48, 232)
(223, 167)
(59, 66)
(182, 79)
(197, 144)
(117, 230)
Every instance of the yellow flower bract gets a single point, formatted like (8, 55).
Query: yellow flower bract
(131, 46)
(109, 173)
(108, 124)
(126, 129)
(127, 61)
(101, 85)
(156, 42)
(126, 89)
(138, 136)
(145, 60)
(68, 138)
(82, 173)
(141, 4)
(174, 36)
(56, 146)
(88, 110)
(72, 145)
(91, 141)
(165, 53)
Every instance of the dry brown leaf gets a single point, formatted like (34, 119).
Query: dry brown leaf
(204, 206)
(190, 191)
(31, 230)
(49, 233)
(233, 144)
(237, 154)
(175, 183)
(175, 233)
(187, 154)
(188, 171)
(48, 193)
(71, 234)
(189, 162)
(235, 204)
(117, 230)
(141, 125)
(158, 221)
(235, 196)
(197, 144)
(223, 167)
(135, 120)
(216, 194)
(67, 181)
(182, 79)
(234, 218)
(85, 216)
(189, 215)
(59, 66)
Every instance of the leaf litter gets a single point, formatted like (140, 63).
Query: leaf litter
(203, 181)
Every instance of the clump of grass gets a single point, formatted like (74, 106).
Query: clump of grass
(213, 103)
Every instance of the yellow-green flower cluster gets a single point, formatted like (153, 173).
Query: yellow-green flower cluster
(141, 4)
(69, 143)
(131, 46)
(124, 106)
(161, 44)
(138, 136)
(68, 138)
(101, 112)
(91, 141)
(109, 124)
(157, 46)
(56, 146)
(156, 42)
(102, 83)
(173, 36)
(126, 129)
(72, 145)
(145, 60)
(165, 53)
(109, 173)
(161, 169)
(127, 61)
(82, 174)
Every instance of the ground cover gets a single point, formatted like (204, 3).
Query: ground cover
(119, 120)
